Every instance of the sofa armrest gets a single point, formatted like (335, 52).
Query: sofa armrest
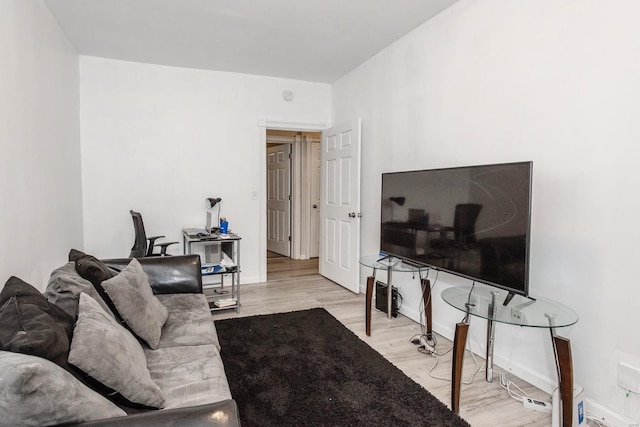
(221, 414)
(179, 274)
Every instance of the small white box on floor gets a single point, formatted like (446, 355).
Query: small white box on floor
(579, 414)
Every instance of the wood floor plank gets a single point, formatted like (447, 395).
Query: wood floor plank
(296, 285)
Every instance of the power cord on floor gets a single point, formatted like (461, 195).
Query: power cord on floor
(436, 355)
(509, 385)
(425, 341)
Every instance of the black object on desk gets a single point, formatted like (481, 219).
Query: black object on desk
(381, 298)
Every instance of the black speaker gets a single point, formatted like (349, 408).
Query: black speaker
(381, 298)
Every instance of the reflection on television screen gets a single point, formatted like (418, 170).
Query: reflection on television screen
(471, 221)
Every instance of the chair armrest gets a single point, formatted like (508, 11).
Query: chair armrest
(167, 274)
(219, 414)
(152, 242)
(163, 246)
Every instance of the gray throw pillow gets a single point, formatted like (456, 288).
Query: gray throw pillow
(109, 354)
(133, 297)
(36, 391)
(65, 286)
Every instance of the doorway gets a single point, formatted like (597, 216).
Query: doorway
(293, 194)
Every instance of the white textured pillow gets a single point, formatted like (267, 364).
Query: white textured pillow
(36, 391)
(109, 354)
(132, 296)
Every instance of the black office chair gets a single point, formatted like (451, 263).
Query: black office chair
(144, 246)
(464, 235)
(464, 224)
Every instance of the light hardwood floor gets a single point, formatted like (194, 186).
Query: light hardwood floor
(296, 285)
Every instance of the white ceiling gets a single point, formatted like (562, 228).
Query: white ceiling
(313, 40)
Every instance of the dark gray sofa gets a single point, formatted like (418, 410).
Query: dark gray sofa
(186, 365)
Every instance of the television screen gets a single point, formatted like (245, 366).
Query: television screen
(470, 221)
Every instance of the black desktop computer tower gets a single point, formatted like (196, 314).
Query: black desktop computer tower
(381, 298)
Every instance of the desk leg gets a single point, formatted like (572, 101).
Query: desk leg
(389, 293)
(491, 333)
(426, 298)
(367, 307)
(459, 343)
(564, 364)
(488, 367)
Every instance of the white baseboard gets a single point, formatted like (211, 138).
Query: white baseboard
(247, 280)
(607, 415)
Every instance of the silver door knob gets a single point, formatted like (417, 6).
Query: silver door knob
(352, 214)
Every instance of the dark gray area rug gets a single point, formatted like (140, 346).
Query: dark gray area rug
(306, 368)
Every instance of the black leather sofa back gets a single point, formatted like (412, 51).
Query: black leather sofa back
(167, 274)
(219, 414)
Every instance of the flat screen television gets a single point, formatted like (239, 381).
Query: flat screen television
(470, 221)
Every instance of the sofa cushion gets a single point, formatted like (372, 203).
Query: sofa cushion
(37, 392)
(189, 321)
(15, 286)
(95, 271)
(109, 354)
(189, 375)
(65, 286)
(30, 324)
(133, 298)
(90, 267)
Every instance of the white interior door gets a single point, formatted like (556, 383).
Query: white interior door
(340, 205)
(279, 199)
(314, 221)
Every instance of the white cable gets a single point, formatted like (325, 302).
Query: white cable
(474, 372)
(599, 422)
(469, 381)
(508, 384)
(435, 363)
(421, 308)
(436, 355)
(516, 337)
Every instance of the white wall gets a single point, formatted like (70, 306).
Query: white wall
(552, 82)
(160, 140)
(40, 189)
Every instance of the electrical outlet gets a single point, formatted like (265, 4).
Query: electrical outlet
(629, 377)
(518, 317)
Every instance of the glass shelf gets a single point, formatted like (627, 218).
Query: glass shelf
(520, 311)
(377, 262)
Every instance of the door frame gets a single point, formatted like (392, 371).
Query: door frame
(263, 125)
(312, 214)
